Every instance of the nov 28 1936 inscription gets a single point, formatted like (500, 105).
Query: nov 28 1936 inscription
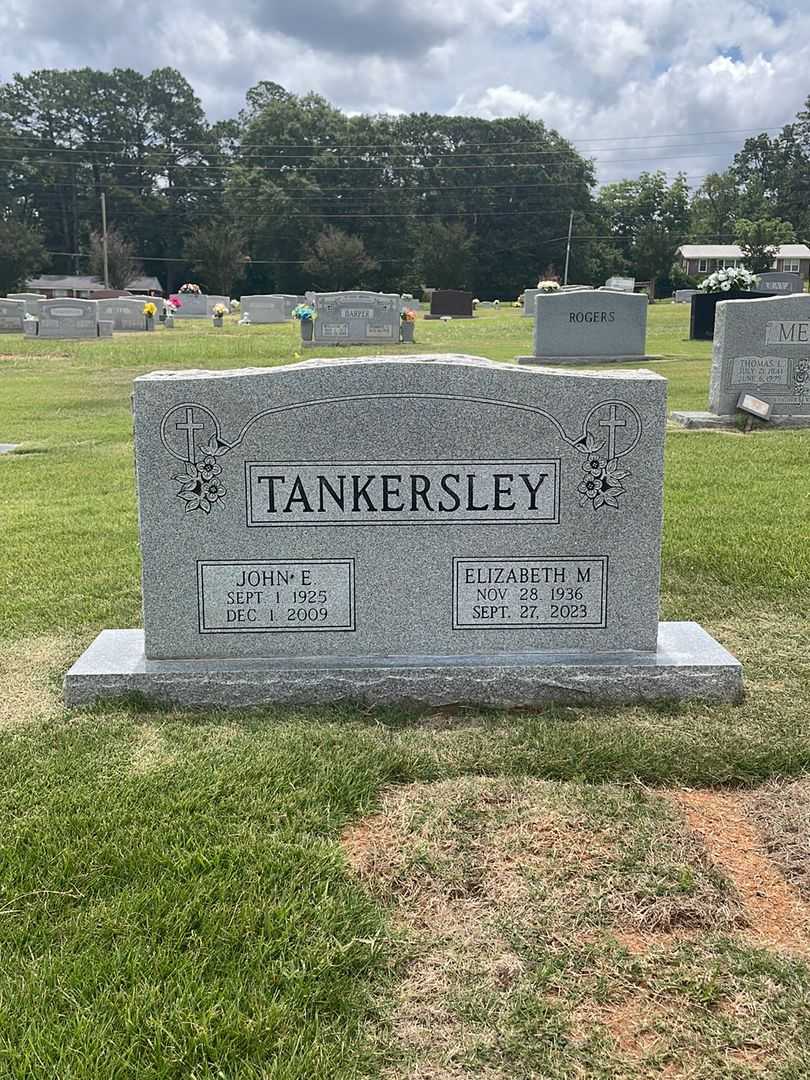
(440, 506)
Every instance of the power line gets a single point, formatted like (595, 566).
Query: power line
(440, 134)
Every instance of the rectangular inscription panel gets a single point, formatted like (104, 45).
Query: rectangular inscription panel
(535, 594)
(759, 370)
(295, 493)
(266, 597)
(787, 333)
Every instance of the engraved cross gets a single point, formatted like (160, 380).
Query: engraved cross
(189, 427)
(612, 423)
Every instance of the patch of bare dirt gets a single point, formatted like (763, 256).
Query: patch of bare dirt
(28, 690)
(779, 918)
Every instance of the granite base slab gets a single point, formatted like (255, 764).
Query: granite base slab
(435, 318)
(688, 665)
(579, 361)
(711, 421)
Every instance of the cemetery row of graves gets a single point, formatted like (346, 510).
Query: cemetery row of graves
(413, 708)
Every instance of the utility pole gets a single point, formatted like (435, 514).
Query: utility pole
(104, 239)
(568, 247)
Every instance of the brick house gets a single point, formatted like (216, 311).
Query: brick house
(86, 288)
(698, 260)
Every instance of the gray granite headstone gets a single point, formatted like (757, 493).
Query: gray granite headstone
(684, 296)
(784, 284)
(12, 316)
(261, 308)
(589, 325)
(529, 296)
(762, 347)
(67, 317)
(434, 529)
(126, 313)
(621, 284)
(32, 301)
(356, 318)
(194, 306)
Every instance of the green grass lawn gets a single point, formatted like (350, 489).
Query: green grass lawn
(175, 898)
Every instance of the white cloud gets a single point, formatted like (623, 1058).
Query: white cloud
(594, 69)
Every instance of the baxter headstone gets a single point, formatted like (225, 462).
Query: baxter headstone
(588, 326)
(262, 308)
(761, 349)
(449, 529)
(452, 302)
(355, 318)
(126, 314)
(784, 284)
(67, 317)
(12, 316)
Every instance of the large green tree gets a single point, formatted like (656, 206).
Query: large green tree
(22, 254)
(444, 255)
(760, 240)
(217, 255)
(339, 261)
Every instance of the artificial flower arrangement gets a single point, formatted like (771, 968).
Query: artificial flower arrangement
(189, 287)
(219, 311)
(548, 286)
(408, 315)
(476, 302)
(150, 310)
(496, 303)
(304, 313)
(733, 277)
(175, 302)
(235, 306)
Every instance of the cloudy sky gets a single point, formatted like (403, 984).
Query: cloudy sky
(659, 83)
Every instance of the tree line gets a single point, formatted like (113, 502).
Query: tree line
(293, 194)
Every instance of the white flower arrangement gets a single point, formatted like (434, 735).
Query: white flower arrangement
(548, 286)
(496, 303)
(731, 278)
(476, 302)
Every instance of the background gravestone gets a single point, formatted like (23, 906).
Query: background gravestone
(32, 301)
(684, 296)
(529, 296)
(68, 317)
(621, 284)
(704, 305)
(355, 318)
(194, 306)
(453, 302)
(784, 284)
(762, 348)
(451, 529)
(588, 326)
(266, 308)
(12, 316)
(126, 314)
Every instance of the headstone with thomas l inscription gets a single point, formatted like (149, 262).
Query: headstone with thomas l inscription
(589, 326)
(449, 530)
(354, 318)
(761, 349)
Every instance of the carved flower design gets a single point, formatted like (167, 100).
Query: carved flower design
(199, 487)
(208, 467)
(213, 491)
(590, 488)
(594, 465)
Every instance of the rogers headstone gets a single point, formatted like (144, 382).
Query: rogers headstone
(429, 529)
(588, 326)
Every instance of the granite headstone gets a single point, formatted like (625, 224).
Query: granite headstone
(68, 317)
(588, 326)
(449, 529)
(32, 301)
(621, 284)
(12, 316)
(761, 348)
(452, 302)
(266, 308)
(126, 314)
(784, 284)
(355, 318)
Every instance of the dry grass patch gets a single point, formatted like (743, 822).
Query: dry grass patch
(782, 815)
(30, 677)
(778, 916)
(512, 898)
